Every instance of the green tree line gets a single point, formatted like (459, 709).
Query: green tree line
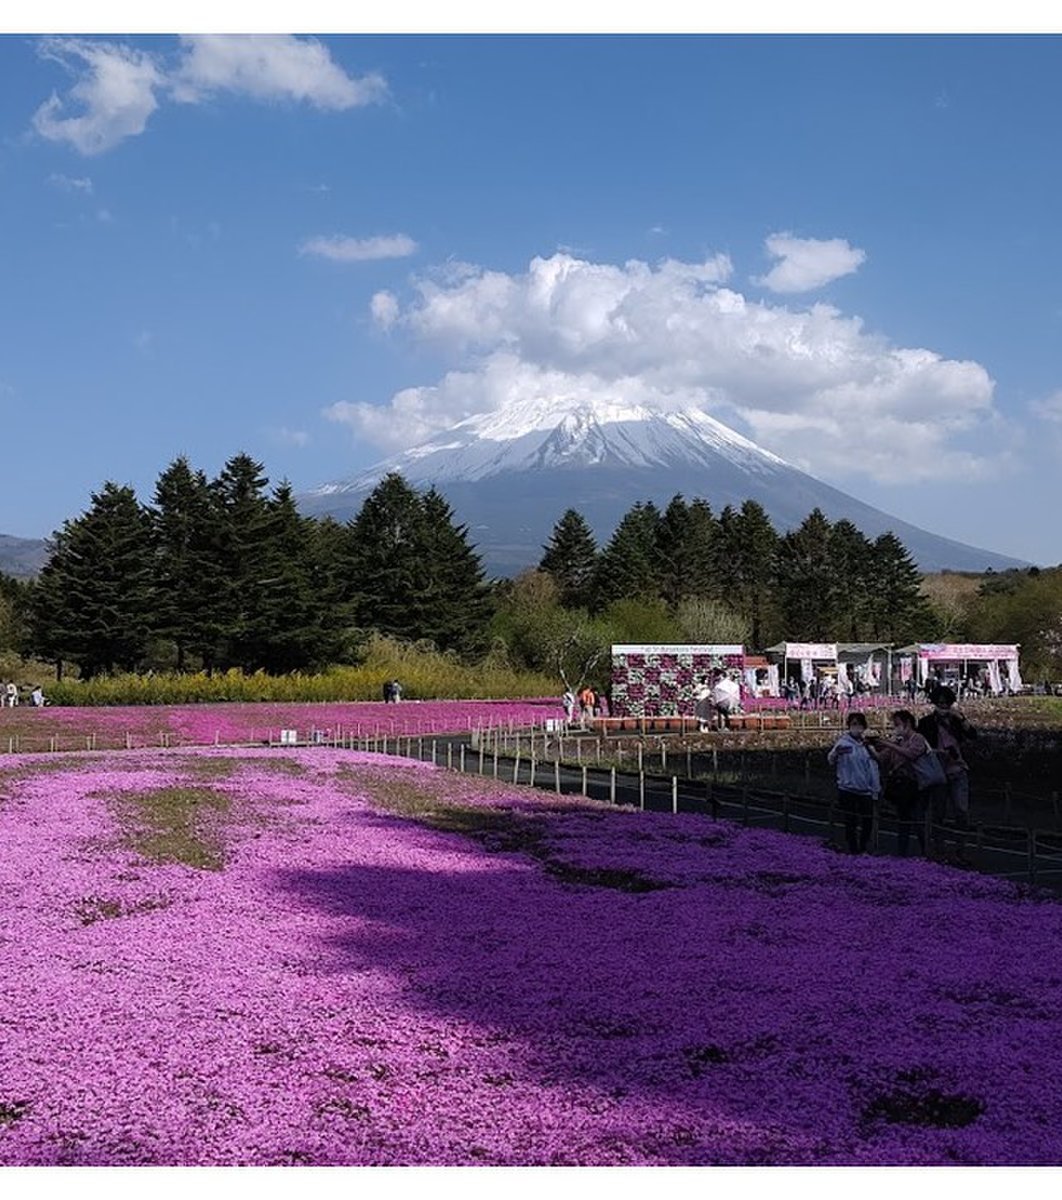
(225, 573)
(734, 577)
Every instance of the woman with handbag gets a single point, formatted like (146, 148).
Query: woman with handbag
(916, 782)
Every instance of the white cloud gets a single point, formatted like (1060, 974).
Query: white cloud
(270, 67)
(66, 184)
(808, 263)
(115, 93)
(117, 87)
(384, 308)
(340, 248)
(813, 385)
(1049, 408)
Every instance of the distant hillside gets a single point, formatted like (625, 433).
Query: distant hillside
(21, 557)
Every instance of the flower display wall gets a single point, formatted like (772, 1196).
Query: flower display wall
(660, 682)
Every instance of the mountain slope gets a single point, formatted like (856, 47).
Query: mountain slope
(21, 557)
(511, 473)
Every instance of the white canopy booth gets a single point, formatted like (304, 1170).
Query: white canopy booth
(810, 658)
(963, 666)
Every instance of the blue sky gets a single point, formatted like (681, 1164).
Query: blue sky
(322, 251)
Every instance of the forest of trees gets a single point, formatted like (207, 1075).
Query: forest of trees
(215, 574)
(223, 573)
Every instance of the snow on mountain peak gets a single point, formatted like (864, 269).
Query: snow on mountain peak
(559, 432)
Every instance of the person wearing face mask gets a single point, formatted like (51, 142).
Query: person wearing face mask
(949, 733)
(858, 782)
(913, 779)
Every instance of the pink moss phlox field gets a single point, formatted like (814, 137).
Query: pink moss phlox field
(355, 987)
(227, 724)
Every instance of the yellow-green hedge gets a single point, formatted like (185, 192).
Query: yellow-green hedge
(424, 674)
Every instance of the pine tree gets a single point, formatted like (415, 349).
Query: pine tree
(329, 551)
(673, 544)
(245, 556)
(726, 576)
(570, 557)
(755, 548)
(851, 558)
(389, 575)
(458, 604)
(805, 580)
(702, 550)
(899, 610)
(188, 573)
(92, 603)
(288, 627)
(629, 566)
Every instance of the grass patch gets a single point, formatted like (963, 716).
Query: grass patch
(281, 766)
(90, 909)
(175, 825)
(12, 1111)
(203, 769)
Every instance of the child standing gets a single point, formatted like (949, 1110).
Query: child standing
(858, 782)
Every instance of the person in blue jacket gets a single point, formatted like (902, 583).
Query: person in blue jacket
(858, 782)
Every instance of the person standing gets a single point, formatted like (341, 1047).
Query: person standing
(702, 704)
(726, 698)
(913, 774)
(12, 695)
(949, 733)
(568, 700)
(858, 782)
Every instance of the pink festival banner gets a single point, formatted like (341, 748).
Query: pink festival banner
(957, 651)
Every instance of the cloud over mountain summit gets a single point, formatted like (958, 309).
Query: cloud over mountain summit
(809, 383)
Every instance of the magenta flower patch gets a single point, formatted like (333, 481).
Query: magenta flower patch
(507, 979)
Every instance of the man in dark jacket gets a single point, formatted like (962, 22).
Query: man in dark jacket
(948, 732)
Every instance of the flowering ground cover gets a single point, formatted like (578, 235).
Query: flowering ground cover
(318, 956)
(205, 724)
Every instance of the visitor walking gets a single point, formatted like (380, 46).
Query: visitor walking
(11, 694)
(586, 703)
(858, 782)
(948, 732)
(568, 700)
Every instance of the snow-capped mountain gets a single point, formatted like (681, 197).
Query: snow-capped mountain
(551, 434)
(509, 475)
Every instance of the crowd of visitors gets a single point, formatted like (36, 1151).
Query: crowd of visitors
(584, 705)
(919, 771)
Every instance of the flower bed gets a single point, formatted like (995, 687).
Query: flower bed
(315, 956)
(229, 724)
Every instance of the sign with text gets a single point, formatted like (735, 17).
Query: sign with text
(814, 650)
(700, 651)
(956, 652)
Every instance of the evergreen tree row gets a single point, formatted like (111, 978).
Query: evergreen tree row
(225, 573)
(822, 581)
